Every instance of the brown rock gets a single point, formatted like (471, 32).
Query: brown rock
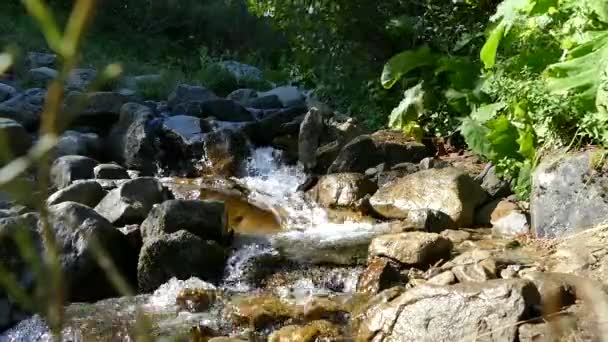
(379, 275)
(412, 248)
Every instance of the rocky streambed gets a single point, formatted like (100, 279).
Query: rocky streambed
(262, 216)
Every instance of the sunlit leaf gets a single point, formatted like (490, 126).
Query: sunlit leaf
(487, 112)
(490, 48)
(503, 137)
(44, 16)
(526, 143)
(6, 61)
(404, 62)
(409, 109)
(475, 135)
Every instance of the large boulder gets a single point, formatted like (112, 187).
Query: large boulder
(492, 183)
(75, 226)
(264, 102)
(88, 193)
(342, 189)
(412, 248)
(205, 219)
(67, 169)
(242, 95)
(42, 76)
(309, 138)
(181, 255)
(25, 108)
(288, 95)
(221, 109)
(568, 194)
(6, 92)
(242, 71)
(461, 312)
(389, 147)
(182, 139)
(132, 201)
(184, 94)
(78, 143)
(225, 152)
(80, 79)
(448, 190)
(96, 109)
(110, 171)
(276, 124)
(41, 59)
(14, 138)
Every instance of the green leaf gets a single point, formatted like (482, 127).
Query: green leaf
(490, 48)
(409, 109)
(523, 183)
(404, 62)
(475, 134)
(503, 138)
(600, 7)
(526, 143)
(44, 16)
(487, 112)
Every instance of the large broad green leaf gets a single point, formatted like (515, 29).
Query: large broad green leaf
(581, 73)
(487, 112)
(475, 135)
(409, 109)
(404, 62)
(503, 138)
(600, 7)
(490, 48)
(526, 142)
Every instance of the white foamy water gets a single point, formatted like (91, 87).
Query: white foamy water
(166, 295)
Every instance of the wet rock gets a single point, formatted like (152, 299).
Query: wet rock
(475, 272)
(443, 279)
(184, 94)
(316, 308)
(225, 151)
(342, 189)
(97, 109)
(314, 331)
(261, 312)
(448, 190)
(367, 151)
(264, 102)
(288, 95)
(25, 108)
(67, 169)
(6, 92)
(80, 79)
(309, 138)
(132, 201)
(87, 193)
(196, 299)
(42, 76)
(131, 140)
(242, 96)
(221, 109)
(39, 59)
(508, 219)
(181, 255)
(276, 124)
(205, 219)
(75, 225)
(492, 184)
(380, 274)
(412, 248)
(568, 194)
(15, 139)
(452, 313)
(78, 143)
(110, 171)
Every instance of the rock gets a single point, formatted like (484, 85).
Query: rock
(264, 102)
(96, 109)
(110, 171)
(221, 109)
(380, 274)
(448, 190)
(309, 138)
(341, 189)
(77, 143)
(432, 163)
(182, 139)
(452, 313)
(131, 140)
(456, 236)
(181, 255)
(385, 177)
(25, 108)
(14, 138)
(483, 214)
(205, 219)
(6, 92)
(67, 169)
(427, 220)
(42, 76)
(132, 201)
(288, 95)
(325, 156)
(314, 331)
(443, 279)
(259, 312)
(184, 94)
(508, 219)
(80, 79)
(557, 290)
(476, 272)
(266, 129)
(568, 194)
(316, 308)
(412, 248)
(39, 59)
(225, 152)
(242, 71)
(242, 96)
(74, 226)
(87, 193)
(367, 151)
(492, 184)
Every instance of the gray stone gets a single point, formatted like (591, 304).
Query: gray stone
(78, 143)
(448, 190)
(96, 108)
(6, 92)
(205, 219)
(427, 220)
(242, 71)
(342, 189)
(132, 201)
(42, 76)
(186, 93)
(412, 248)
(568, 194)
(221, 109)
(39, 59)
(456, 236)
(15, 140)
(508, 219)
(264, 102)
(242, 95)
(476, 272)
(75, 225)
(110, 171)
(80, 79)
(25, 108)
(309, 138)
(492, 184)
(276, 124)
(288, 95)
(185, 131)
(452, 313)
(88, 193)
(67, 169)
(181, 255)
(443, 279)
